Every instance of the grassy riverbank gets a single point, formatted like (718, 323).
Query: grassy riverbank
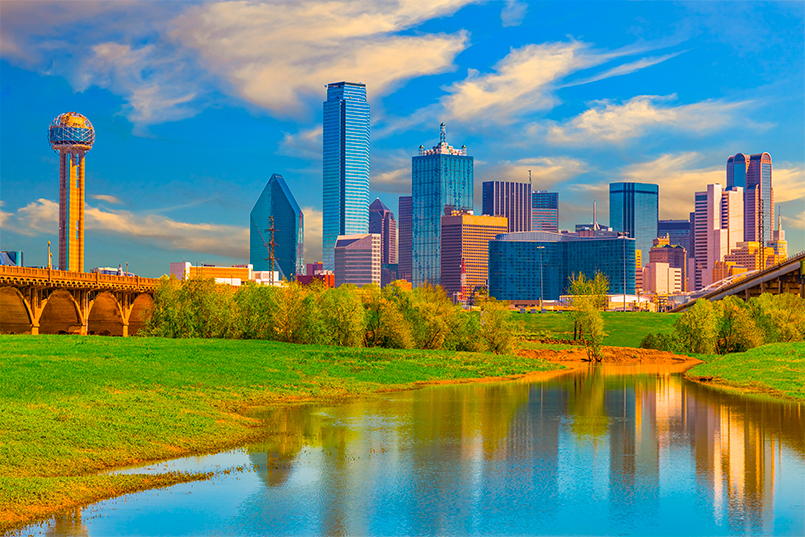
(73, 406)
(777, 369)
(622, 329)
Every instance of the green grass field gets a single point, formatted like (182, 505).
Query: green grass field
(778, 368)
(71, 406)
(623, 329)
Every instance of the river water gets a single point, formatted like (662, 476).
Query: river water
(605, 450)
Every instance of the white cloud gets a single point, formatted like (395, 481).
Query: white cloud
(788, 181)
(4, 216)
(90, 44)
(106, 198)
(397, 180)
(155, 84)
(166, 58)
(306, 143)
(626, 68)
(546, 172)
(794, 222)
(42, 215)
(678, 179)
(513, 13)
(391, 171)
(522, 82)
(277, 54)
(609, 122)
(313, 234)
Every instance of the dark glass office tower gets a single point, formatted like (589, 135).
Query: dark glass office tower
(289, 230)
(345, 175)
(405, 214)
(442, 181)
(677, 231)
(545, 211)
(758, 199)
(381, 221)
(509, 199)
(634, 208)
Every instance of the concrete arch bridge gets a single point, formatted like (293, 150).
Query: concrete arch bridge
(46, 301)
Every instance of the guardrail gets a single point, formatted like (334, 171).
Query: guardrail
(747, 282)
(81, 279)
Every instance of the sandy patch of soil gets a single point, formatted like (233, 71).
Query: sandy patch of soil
(611, 355)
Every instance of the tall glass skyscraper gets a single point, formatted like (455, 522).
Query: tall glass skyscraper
(404, 213)
(509, 199)
(289, 230)
(381, 221)
(758, 199)
(442, 180)
(345, 174)
(545, 211)
(634, 208)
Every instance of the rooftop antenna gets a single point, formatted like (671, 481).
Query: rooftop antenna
(595, 216)
(529, 177)
(271, 245)
(442, 134)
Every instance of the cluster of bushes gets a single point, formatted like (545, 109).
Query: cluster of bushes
(392, 317)
(733, 325)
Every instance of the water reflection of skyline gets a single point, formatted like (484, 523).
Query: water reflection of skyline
(442, 454)
(605, 450)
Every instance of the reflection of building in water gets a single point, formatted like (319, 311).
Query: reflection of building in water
(454, 456)
(734, 444)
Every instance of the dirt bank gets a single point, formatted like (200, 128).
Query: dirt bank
(611, 355)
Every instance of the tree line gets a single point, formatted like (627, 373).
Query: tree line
(734, 325)
(367, 316)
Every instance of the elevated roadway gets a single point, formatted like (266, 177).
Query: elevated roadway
(785, 277)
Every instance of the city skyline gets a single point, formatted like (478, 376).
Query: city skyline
(633, 94)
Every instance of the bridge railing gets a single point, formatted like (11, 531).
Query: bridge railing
(66, 276)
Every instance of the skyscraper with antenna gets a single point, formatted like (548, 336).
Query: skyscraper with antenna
(441, 182)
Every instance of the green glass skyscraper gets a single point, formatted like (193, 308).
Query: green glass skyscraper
(345, 174)
(442, 181)
(278, 202)
(634, 208)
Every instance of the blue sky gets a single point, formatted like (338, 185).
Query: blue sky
(196, 104)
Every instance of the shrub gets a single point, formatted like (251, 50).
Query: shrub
(696, 329)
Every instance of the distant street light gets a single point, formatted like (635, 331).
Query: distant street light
(541, 299)
(623, 235)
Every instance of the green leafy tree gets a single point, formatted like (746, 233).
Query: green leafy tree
(781, 318)
(290, 315)
(343, 316)
(588, 297)
(737, 331)
(696, 330)
(257, 308)
(431, 315)
(497, 327)
(164, 320)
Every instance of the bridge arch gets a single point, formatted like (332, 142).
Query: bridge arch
(16, 315)
(105, 316)
(60, 314)
(141, 310)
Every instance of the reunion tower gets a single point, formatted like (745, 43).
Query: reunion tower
(71, 135)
